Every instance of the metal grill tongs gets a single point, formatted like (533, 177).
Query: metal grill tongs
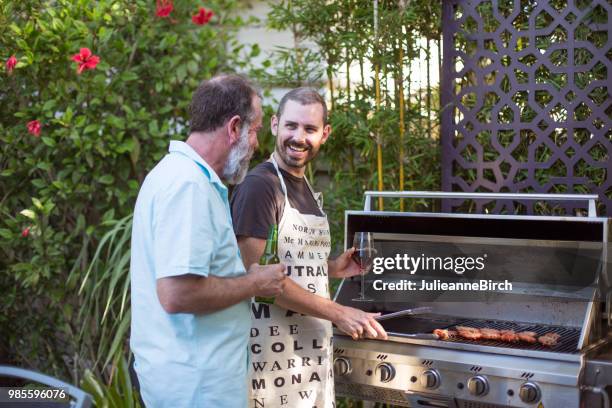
(406, 312)
(411, 312)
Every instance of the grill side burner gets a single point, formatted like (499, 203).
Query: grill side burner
(461, 373)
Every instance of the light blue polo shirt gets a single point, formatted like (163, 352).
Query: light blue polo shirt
(182, 225)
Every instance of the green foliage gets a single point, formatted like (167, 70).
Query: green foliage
(118, 394)
(65, 305)
(104, 293)
(344, 34)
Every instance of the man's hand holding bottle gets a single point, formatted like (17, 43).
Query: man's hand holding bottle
(267, 280)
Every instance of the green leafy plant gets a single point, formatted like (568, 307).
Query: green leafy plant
(90, 95)
(104, 292)
(119, 393)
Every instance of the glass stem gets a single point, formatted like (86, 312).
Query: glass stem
(363, 284)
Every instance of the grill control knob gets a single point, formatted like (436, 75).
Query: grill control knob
(530, 393)
(385, 371)
(430, 379)
(342, 366)
(478, 386)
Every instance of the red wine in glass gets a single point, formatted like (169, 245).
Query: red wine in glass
(363, 257)
(363, 243)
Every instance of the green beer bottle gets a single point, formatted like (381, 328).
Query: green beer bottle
(269, 257)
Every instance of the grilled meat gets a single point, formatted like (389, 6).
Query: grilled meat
(469, 333)
(509, 336)
(490, 334)
(527, 337)
(444, 334)
(549, 339)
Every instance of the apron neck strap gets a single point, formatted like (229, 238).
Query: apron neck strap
(280, 176)
(284, 187)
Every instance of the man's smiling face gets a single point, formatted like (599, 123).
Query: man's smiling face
(300, 132)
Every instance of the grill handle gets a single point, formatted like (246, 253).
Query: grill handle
(590, 198)
(598, 390)
(609, 307)
(425, 400)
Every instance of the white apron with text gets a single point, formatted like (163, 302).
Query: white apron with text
(291, 354)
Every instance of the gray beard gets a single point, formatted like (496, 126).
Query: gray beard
(237, 164)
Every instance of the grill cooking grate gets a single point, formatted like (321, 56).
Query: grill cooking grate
(568, 342)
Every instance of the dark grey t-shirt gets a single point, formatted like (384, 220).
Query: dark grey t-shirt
(258, 201)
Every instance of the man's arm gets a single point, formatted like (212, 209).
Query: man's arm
(184, 231)
(198, 294)
(353, 322)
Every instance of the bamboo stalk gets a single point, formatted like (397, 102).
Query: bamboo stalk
(348, 78)
(361, 72)
(440, 60)
(409, 95)
(348, 107)
(419, 88)
(379, 161)
(385, 86)
(439, 107)
(330, 79)
(400, 64)
(428, 88)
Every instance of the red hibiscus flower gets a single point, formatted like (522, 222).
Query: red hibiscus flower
(34, 127)
(85, 60)
(202, 17)
(164, 8)
(25, 232)
(10, 63)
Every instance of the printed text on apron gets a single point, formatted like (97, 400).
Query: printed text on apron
(291, 354)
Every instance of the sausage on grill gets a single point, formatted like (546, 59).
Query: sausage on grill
(509, 336)
(490, 334)
(527, 337)
(444, 334)
(469, 333)
(549, 339)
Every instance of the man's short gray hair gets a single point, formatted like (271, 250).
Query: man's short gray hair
(218, 99)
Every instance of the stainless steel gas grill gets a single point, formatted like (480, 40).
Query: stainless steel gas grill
(558, 268)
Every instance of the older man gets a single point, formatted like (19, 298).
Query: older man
(190, 290)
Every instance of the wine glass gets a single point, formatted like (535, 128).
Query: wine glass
(363, 242)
